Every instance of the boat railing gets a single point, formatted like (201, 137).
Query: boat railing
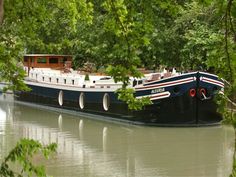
(49, 76)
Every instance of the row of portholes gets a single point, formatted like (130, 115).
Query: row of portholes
(105, 100)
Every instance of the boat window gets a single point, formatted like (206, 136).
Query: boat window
(140, 82)
(43, 78)
(134, 82)
(61, 60)
(57, 80)
(64, 81)
(53, 60)
(32, 60)
(50, 79)
(64, 59)
(41, 60)
(73, 82)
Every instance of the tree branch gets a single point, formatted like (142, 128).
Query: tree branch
(1, 11)
(227, 18)
(230, 20)
(122, 26)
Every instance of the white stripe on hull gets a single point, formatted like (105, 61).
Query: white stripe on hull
(211, 81)
(209, 74)
(186, 74)
(156, 96)
(167, 84)
(70, 88)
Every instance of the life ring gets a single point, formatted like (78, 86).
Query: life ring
(192, 92)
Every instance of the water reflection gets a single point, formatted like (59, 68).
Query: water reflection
(60, 121)
(3, 116)
(81, 125)
(92, 148)
(104, 138)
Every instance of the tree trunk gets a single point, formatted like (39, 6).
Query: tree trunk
(1, 11)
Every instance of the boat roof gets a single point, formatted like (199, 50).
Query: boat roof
(45, 55)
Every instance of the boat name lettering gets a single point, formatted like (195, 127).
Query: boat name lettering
(158, 90)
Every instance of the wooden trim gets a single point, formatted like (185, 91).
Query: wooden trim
(35, 64)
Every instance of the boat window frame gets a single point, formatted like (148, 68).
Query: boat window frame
(41, 60)
(60, 97)
(82, 100)
(53, 62)
(106, 102)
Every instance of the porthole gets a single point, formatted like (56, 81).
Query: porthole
(60, 98)
(81, 100)
(106, 102)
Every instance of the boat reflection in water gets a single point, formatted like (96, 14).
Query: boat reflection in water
(92, 148)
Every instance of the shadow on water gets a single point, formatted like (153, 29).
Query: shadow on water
(95, 148)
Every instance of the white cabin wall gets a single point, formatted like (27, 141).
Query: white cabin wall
(94, 81)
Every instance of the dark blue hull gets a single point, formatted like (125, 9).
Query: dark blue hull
(173, 105)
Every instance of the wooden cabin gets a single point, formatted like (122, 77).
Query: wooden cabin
(47, 61)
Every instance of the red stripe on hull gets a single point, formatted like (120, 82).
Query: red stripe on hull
(166, 84)
(214, 82)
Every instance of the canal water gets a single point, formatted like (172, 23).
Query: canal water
(93, 148)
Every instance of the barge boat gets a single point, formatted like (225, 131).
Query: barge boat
(177, 99)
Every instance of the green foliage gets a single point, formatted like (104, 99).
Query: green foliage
(224, 107)
(127, 31)
(46, 26)
(11, 70)
(23, 153)
(201, 39)
(233, 174)
(127, 95)
(121, 73)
